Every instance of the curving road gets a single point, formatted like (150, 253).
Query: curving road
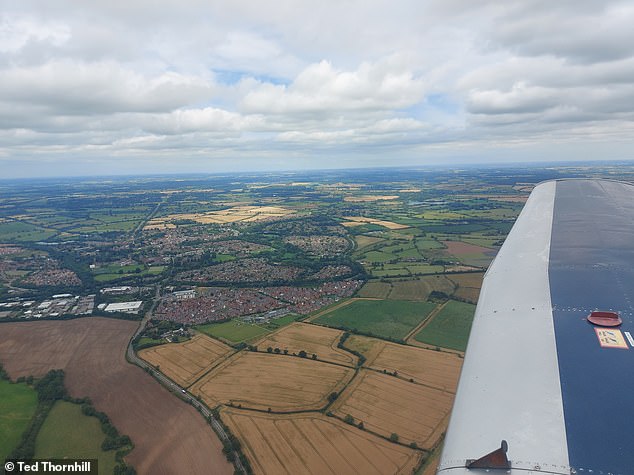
(175, 388)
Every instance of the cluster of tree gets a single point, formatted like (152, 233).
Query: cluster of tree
(277, 351)
(49, 389)
(232, 447)
(437, 295)
(51, 386)
(113, 439)
(342, 345)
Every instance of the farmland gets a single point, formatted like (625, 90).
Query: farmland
(450, 328)
(279, 382)
(17, 405)
(467, 286)
(67, 433)
(236, 330)
(436, 369)
(364, 256)
(185, 362)
(390, 319)
(313, 339)
(91, 352)
(313, 444)
(230, 215)
(389, 405)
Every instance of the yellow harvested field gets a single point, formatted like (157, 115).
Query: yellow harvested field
(370, 198)
(185, 362)
(263, 380)
(230, 215)
(313, 339)
(436, 369)
(358, 220)
(432, 466)
(386, 405)
(363, 241)
(314, 444)
(439, 370)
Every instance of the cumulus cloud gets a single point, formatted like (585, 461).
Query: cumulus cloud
(160, 79)
(321, 88)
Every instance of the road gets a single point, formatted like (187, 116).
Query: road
(175, 388)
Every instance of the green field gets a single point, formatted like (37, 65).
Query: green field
(234, 330)
(377, 290)
(382, 318)
(238, 331)
(67, 433)
(17, 406)
(421, 288)
(15, 231)
(450, 328)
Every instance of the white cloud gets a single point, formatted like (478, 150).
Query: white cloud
(16, 31)
(68, 87)
(159, 79)
(321, 88)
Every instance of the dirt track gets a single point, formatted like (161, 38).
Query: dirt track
(170, 437)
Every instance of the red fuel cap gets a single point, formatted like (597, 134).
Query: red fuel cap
(605, 319)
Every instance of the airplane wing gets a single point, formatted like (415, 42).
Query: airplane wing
(558, 389)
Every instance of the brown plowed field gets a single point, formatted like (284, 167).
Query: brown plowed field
(314, 444)
(437, 369)
(471, 279)
(313, 339)
(262, 380)
(468, 286)
(169, 436)
(386, 404)
(185, 362)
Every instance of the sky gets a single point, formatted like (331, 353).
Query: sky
(157, 86)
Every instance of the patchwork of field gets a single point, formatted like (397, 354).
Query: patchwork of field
(420, 289)
(384, 318)
(450, 328)
(312, 339)
(230, 215)
(467, 286)
(185, 362)
(236, 330)
(365, 241)
(436, 369)
(375, 290)
(17, 405)
(314, 444)
(370, 198)
(281, 383)
(389, 405)
(91, 352)
(470, 254)
(352, 221)
(459, 248)
(67, 433)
